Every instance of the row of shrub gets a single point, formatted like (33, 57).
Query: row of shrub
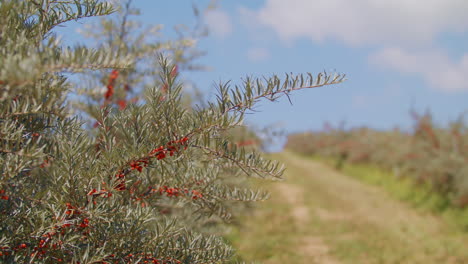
(432, 155)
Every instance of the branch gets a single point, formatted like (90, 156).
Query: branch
(237, 99)
(243, 166)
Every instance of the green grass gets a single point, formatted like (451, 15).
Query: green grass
(420, 196)
(263, 232)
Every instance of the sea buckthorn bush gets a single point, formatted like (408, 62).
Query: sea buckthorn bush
(146, 179)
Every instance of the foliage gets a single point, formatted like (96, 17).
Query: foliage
(139, 187)
(430, 155)
(124, 34)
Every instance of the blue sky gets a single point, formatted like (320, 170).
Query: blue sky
(397, 55)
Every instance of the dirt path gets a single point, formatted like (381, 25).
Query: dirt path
(319, 215)
(311, 247)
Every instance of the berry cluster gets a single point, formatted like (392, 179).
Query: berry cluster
(173, 192)
(100, 193)
(3, 196)
(110, 84)
(138, 164)
(250, 142)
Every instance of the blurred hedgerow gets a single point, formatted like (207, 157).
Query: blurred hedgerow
(135, 189)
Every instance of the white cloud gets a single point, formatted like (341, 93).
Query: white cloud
(363, 22)
(405, 31)
(258, 54)
(218, 22)
(434, 66)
